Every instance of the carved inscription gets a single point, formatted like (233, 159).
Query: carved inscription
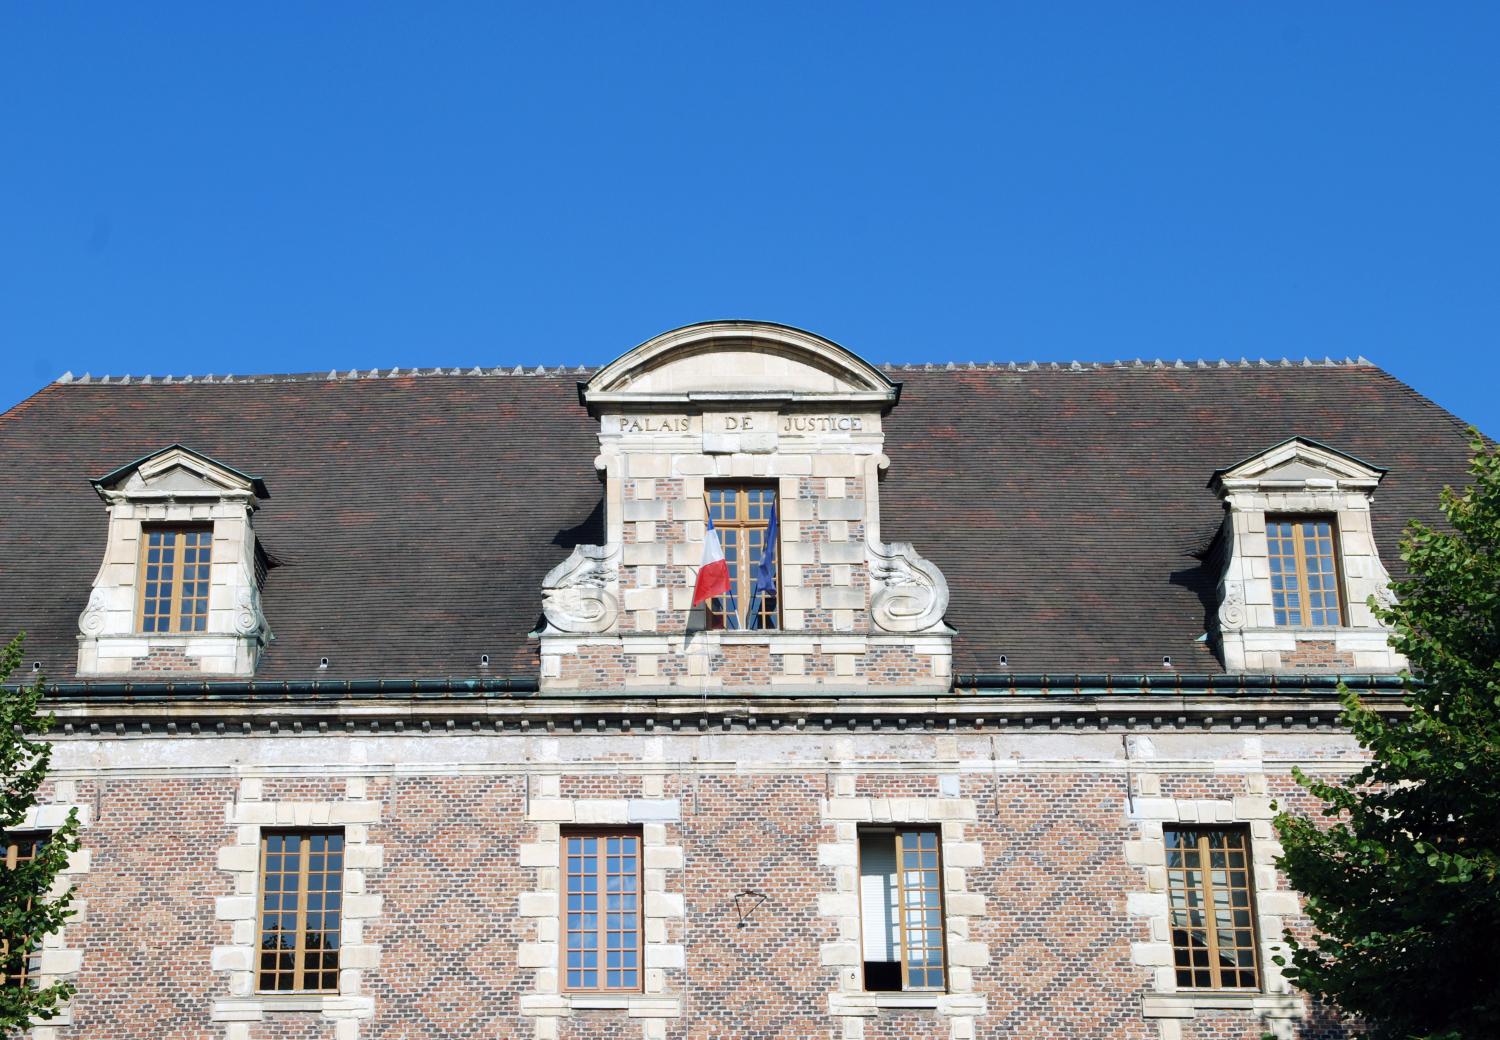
(822, 424)
(654, 424)
(745, 423)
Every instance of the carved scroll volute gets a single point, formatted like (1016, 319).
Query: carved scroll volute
(91, 622)
(577, 594)
(248, 619)
(1232, 613)
(909, 593)
(1232, 604)
(1385, 592)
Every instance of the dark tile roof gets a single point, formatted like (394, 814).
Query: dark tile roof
(411, 518)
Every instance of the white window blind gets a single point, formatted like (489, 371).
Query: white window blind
(878, 894)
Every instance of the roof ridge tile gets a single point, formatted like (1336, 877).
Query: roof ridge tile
(396, 372)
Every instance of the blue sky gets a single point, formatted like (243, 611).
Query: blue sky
(298, 187)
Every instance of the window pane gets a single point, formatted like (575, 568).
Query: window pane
(174, 578)
(1211, 950)
(1303, 571)
(301, 882)
(602, 948)
(901, 909)
(922, 894)
(742, 516)
(20, 962)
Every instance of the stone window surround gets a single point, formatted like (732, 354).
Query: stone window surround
(1275, 1002)
(548, 812)
(176, 486)
(834, 463)
(58, 960)
(850, 1003)
(249, 814)
(1300, 477)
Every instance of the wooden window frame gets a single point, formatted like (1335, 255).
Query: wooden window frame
(1299, 561)
(299, 950)
(601, 932)
(1210, 926)
(26, 975)
(896, 830)
(174, 606)
(743, 579)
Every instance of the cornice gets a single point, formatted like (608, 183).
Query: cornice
(1066, 704)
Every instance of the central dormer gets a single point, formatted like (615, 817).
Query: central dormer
(774, 436)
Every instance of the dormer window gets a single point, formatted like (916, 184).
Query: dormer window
(175, 577)
(178, 592)
(775, 437)
(1303, 563)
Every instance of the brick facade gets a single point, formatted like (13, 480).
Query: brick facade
(1045, 838)
(165, 661)
(1318, 655)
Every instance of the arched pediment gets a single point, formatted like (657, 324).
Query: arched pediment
(738, 360)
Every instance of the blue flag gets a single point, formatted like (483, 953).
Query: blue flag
(765, 572)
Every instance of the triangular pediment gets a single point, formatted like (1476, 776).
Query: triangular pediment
(179, 472)
(1300, 462)
(728, 360)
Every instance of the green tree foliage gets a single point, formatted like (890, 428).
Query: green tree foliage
(1403, 888)
(28, 908)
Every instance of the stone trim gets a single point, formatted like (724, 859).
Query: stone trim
(1276, 1003)
(762, 358)
(548, 812)
(1115, 705)
(249, 814)
(60, 962)
(849, 1004)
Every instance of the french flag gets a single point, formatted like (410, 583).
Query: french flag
(713, 575)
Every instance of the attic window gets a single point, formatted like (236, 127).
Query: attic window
(174, 577)
(1303, 558)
